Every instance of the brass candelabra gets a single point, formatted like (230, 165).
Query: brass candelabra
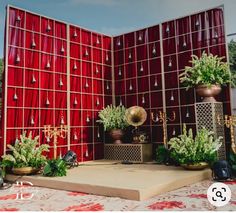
(163, 118)
(55, 132)
(230, 122)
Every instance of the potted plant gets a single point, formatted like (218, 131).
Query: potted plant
(114, 121)
(27, 156)
(194, 153)
(207, 74)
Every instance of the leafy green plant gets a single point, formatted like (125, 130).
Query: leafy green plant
(207, 70)
(25, 153)
(187, 150)
(162, 155)
(113, 117)
(232, 161)
(55, 168)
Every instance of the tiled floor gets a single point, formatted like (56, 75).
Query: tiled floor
(29, 198)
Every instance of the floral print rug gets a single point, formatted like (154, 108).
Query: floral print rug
(30, 198)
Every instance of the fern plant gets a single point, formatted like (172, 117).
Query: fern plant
(25, 153)
(185, 149)
(207, 70)
(113, 117)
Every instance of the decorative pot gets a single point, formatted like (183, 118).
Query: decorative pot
(208, 93)
(196, 166)
(25, 170)
(117, 135)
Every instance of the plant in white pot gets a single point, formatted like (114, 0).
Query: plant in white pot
(194, 153)
(27, 156)
(114, 121)
(207, 74)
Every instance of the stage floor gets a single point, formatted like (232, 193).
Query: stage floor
(110, 178)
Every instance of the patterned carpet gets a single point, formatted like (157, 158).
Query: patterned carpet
(30, 198)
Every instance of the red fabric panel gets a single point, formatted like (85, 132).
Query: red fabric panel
(47, 44)
(15, 57)
(97, 55)
(106, 42)
(107, 73)
(118, 42)
(168, 29)
(183, 25)
(97, 40)
(46, 117)
(97, 71)
(198, 21)
(32, 59)
(75, 136)
(60, 47)
(61, 100)
(87, 69)
(156, 99)
(154, 50)
(16, 17)
(142, 52)
(60, 30)
(76, 117)
(31, 78)
(46, 79)
(75, 83)
(75, 100)
(44, 95)
(129, 40)
(75, 51)
(15, 76)
(153, 33)
(60, 82)
(47, 26)
(47, 62)
(155, 66)
(74, 34)
(14, 118)
(16, 37)
(86, 37)
(31, 39)
(32, 22)
(31, 98)
(10, 97)
(31, 118)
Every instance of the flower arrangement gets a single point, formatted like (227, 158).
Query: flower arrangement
(26, 152)
(113, 117)
(185, 149)
(207, 70)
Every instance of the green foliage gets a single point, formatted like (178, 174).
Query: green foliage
(25, 152)
(162, 154)
(113, 117)
(207, 70)
(55, 168)
(232, 161)
(232, 59)
(187, 150)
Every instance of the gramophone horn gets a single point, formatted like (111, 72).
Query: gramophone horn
(136, 115)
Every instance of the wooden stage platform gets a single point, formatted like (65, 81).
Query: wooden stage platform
(110, 178)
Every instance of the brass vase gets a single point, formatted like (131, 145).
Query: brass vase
(208, 93)
(196, 166)
(25, 170)
(117, 135)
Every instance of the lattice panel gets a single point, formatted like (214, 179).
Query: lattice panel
(206, 116)
(128, 152)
